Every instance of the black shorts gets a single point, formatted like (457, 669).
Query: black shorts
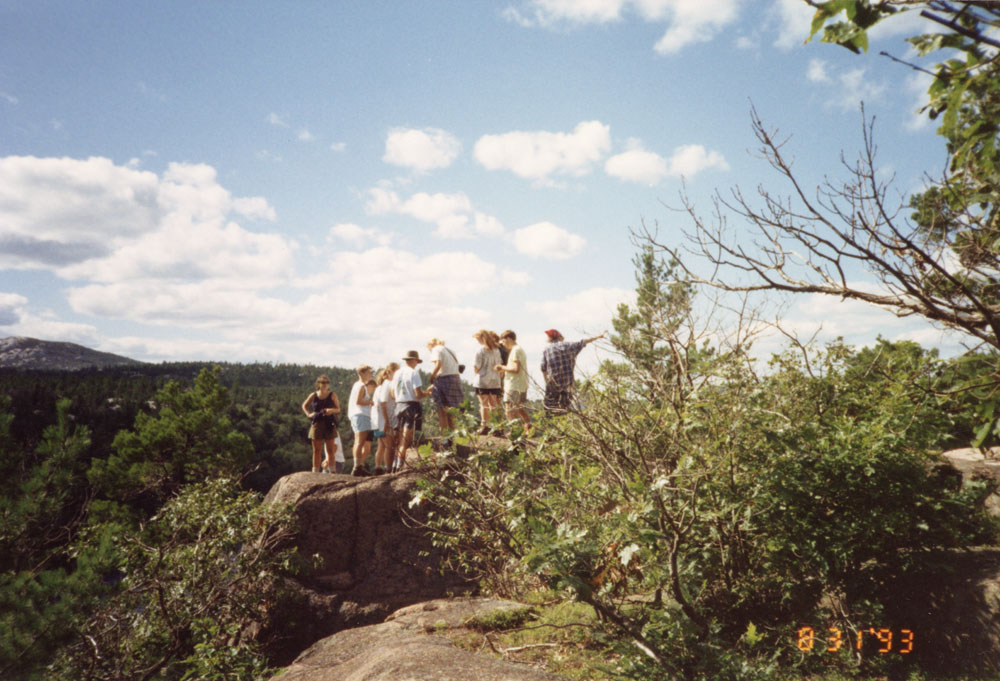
(410, 415)
(489, 391)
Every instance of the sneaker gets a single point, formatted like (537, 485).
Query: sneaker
(379, 470)
(360, 473)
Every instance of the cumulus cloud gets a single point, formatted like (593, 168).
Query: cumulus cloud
(647, 167)
(816, 72)
(167, 251)
(357, 236)
(794, 20)
(690, 159)
(847, 89)
(60, 211)
(688, 21)
(398, 307)
(453, 214)
(421, 150)
(586, 311)
(638, 165)
(145, 247)
(917, 85)
(547, 241)
(11, 308)
(540, 154)
(17, 319)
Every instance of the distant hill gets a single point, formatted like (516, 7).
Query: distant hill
(30, 353)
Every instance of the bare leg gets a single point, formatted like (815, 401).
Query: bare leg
(359, 450)
(317, 446)
(405, 440)
(331, 448)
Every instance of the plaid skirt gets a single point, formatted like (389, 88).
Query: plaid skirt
(448, 391)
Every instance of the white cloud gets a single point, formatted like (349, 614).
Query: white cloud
(844, 90)
(647, 167)
(691, 21)
(9, 98)
(538, 155)
(358, 236)
(182, 250)
(690, 159)
(638, 165)
(255, 208)
(817, 71)
(59, 211)
(305, 136)
(421, 150)
(588, 311)
(276, 120)
(794, 19)
(11, 308)
(145, 247)
(688, 21)
(453, 214)
(165, 251)
(338, 146)
(17, 319)
(917, 84)
(546, 240)
(854, 89)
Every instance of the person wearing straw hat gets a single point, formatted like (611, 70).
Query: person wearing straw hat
(407, 389)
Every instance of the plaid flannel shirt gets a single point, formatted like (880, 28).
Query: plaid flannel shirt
(559, 361)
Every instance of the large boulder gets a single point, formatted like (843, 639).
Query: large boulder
(981, 465)
(951, 600)
(373, 556)
(410, 645)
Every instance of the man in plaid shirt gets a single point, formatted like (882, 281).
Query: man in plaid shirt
(558, 363)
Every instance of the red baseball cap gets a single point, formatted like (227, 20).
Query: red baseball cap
(553, 334)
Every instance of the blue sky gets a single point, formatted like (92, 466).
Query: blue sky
(337, 182)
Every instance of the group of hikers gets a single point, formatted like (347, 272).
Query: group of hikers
(385, 409)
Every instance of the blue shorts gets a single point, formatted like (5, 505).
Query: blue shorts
(361, 423)
(376, 434)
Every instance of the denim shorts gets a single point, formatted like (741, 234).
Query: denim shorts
(361, 423)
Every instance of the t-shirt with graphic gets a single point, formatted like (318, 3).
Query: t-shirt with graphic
(405, 384)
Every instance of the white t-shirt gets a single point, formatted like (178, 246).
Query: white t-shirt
(449, 365)
(381, 397)
(405, 384)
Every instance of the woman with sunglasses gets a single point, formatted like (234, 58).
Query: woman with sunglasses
(322, 407)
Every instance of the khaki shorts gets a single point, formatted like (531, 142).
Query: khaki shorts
(513, 398)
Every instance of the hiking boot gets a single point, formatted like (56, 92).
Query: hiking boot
(379, 470)
(360, 473)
